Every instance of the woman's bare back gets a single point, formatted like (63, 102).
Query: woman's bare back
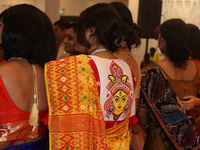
(18, 79)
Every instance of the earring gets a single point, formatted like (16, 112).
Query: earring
(89, 33)
(160, 46)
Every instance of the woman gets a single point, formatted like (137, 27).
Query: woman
(92, 96)
(194, 45)
(69, 41)
(163, 86)
(194, 42)
(124, 52)
(28, 41)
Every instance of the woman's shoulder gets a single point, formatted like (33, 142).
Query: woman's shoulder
(197, 65)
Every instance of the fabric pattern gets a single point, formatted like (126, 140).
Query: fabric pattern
(173, 126)
(76, 119)
(118, 137)
(75, 114)
(116, 87)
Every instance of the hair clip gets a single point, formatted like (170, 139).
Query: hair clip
(120, 41)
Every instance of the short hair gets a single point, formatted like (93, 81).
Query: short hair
(62, 23)
(176, 33)
(126, 17)
(152, 49)
(28, 33)
(194, 41)
(107, 24)
(72, 25)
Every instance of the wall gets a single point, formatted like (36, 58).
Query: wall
(187, 10)
(75, 7)
(133, 5)
(4, 4)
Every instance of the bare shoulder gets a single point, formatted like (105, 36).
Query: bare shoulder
(19, 82)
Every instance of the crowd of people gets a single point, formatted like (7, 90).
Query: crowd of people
(78, 86)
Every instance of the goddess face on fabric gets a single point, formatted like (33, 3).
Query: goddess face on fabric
(119, 93)
(119, 99)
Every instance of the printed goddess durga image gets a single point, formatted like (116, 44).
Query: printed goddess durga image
(119, 93)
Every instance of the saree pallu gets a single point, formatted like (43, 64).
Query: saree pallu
(172, 124)
(118, 137)
(76, 119)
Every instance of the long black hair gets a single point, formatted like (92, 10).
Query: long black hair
(28, 33)
(176, 33)
(127, 18)
(107, 24)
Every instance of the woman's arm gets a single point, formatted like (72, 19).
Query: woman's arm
(191, 103)
(142, 117)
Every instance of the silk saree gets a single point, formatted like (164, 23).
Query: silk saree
(76, 119)
(166, 111)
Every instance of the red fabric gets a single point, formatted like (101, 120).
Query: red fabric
(45, 120)
(198, 61)
(132, 120)
(2, 60)
(9, 112)
(94, 67)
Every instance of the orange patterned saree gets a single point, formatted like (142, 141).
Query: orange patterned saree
(76, 119)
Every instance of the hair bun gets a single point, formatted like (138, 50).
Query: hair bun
(124, 35)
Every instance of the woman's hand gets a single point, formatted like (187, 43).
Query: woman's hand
(191, 103)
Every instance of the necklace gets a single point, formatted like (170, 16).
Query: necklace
(98, 50)
(15, 58)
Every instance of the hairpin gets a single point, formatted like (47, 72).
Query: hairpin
(120, 41)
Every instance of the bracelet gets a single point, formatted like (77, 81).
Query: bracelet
(145, 126)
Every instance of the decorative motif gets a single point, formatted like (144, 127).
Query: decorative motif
(174, 127)
(119, 93)
(73, 105)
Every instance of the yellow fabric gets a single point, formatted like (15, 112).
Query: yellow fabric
(118, 137)
(75, 115)
(156, 57)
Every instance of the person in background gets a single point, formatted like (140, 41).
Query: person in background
(153, 55)
(124, 53)
(60, 28)
(28, 41)
(193, 102)
(69, 41)
(164, 84)
(145, 61)
(194, 42)
(92, 95)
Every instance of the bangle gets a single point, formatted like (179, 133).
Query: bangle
(145, 126)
